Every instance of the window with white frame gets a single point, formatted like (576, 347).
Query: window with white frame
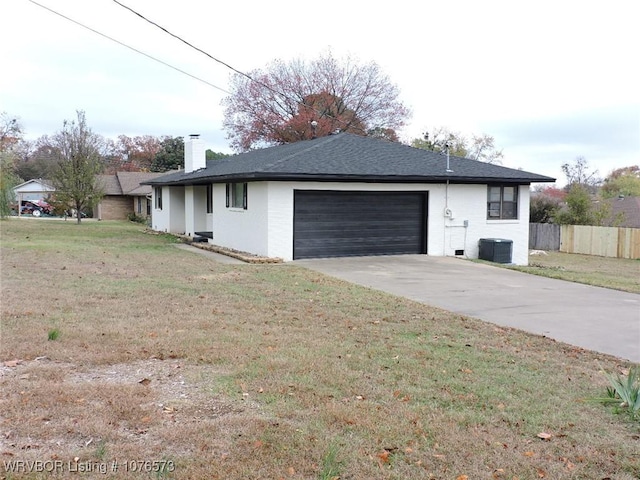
(502, 202)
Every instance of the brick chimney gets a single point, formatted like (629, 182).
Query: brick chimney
(194, 156)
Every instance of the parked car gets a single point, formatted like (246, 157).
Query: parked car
(36, 208)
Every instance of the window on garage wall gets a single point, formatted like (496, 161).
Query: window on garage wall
(502, 202)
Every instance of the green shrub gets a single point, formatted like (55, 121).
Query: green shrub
(54, 333)
(134, 217)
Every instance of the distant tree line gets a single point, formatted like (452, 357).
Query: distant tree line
(146, 153)
(72, 158)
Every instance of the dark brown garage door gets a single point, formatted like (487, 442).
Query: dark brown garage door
(341, 224)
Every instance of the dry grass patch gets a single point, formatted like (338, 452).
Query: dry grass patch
(273, 371)
(617, 273)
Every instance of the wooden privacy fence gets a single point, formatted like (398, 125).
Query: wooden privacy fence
(602, 241)
(589, 240)
(544, 236)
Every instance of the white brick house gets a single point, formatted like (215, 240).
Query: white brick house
(345, 195)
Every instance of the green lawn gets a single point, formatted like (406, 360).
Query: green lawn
(273, 371)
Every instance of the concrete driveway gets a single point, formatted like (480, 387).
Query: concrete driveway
(607, 321)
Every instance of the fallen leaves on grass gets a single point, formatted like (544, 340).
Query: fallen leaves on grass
(403, 398)
(384, 456)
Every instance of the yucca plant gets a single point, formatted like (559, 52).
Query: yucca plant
(625, 391)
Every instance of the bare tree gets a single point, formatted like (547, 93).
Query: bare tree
(577, 172)
(441, 138)
(79, 162)
(483, 148)
(35, 158)
(11, 131)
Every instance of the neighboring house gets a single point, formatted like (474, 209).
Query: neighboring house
(33, 190)
(345, 195)
(125, 195)
(624, 212)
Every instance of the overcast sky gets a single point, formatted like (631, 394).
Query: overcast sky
(550, 80)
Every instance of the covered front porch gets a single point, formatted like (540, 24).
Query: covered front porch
(184, 210)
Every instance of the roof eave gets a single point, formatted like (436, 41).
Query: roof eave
(308, 177)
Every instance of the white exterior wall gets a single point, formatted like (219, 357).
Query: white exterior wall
(160, 218)
(469, 202)
(266, 227)
(175, 205)
(244, 230)
(444, 236)
(200, 208)
(280, 219)
(171, 217)
(195, 208)
(189, 210)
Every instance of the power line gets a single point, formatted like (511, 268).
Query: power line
(262, 84)
(130, 47)
(184, 41)
(249, 77)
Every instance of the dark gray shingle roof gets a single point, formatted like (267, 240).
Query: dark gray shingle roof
(625, 212)
(110, 184)
(127, 183)
(347, 157)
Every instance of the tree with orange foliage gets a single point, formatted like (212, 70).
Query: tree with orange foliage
(139, 152)
(299, 100)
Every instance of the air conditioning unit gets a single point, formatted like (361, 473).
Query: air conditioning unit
(496, 250)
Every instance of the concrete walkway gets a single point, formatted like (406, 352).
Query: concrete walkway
(218, 257)
(594, 318)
